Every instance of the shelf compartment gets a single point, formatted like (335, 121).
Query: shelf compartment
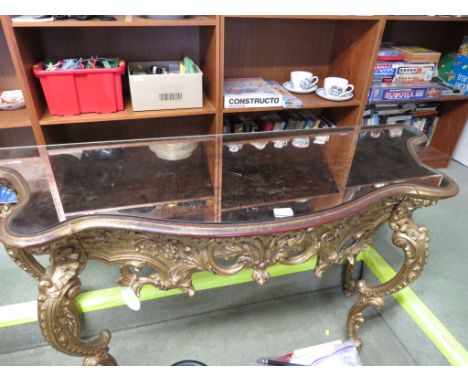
(252, 177)
(126, 114)
(136, 176)
(197, 125)
(269, 136)
(433, 157)
(427, 18)
(10, 119)
(384, 160)
(273, 47)
(146, 43)
(309, 101)
(37, 215)
(122, 21)
(266, 212)
(358, 190)
(78, 148)
(183, 209)
(18, 136)
(442, 34)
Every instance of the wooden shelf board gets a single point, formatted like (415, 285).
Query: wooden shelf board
(305, 198)
(306, 17)
(126, 114)
(446, 98)
(309, 101)
(269, 136)
(77, 148)
(122, 21)
(14, 118)
(432, 156)
(453, 98)
(427, 18)
(116, 210)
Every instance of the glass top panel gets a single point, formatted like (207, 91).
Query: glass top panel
(248, 177)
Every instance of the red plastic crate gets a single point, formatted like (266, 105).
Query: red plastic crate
(71, 92)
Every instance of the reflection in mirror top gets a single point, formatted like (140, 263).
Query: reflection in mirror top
(249, 177)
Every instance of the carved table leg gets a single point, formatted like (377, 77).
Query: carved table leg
(413, 240)
(58, 316)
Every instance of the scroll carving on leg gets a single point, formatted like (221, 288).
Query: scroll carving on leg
(413, 240)
(58, 316)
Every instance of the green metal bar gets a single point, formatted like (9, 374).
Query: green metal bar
(452, 350)
(109, 298)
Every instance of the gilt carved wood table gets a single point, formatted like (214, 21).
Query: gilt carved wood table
(212, 203)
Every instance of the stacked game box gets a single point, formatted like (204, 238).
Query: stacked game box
(404, 73)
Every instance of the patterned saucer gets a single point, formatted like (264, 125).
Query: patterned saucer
(323, 94)
(289, 88)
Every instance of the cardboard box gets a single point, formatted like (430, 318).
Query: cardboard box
(418, 54)
(397, 92)
(165, 91)
(399, 71)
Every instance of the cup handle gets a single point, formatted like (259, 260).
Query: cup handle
(349, 91)
(314, 80)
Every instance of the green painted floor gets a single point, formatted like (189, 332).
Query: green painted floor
(236, 325)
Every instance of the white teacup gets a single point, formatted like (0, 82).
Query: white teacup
(234, 148)
(321, 139)
(280, 143)
(338, 87)
(375, 133)
(259, 145)
(301, 143)
(395, 132)
(301, 80)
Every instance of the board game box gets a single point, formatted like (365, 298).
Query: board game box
(397, 92)
(250, 92)
(418, 54)
(385, 71)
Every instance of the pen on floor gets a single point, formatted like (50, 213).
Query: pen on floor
(274, 362)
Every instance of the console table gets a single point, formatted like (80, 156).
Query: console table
(158, 208)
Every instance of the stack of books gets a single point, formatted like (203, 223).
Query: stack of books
(404, 73)
(281, 120)
(422, 116)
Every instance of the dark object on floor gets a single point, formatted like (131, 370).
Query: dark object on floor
(189, 362)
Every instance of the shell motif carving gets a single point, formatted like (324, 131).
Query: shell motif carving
(174, 259)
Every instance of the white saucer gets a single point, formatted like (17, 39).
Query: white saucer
(321, 93)
(289, 88)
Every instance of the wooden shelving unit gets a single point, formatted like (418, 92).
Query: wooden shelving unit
(10, 120)
(224, 47)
